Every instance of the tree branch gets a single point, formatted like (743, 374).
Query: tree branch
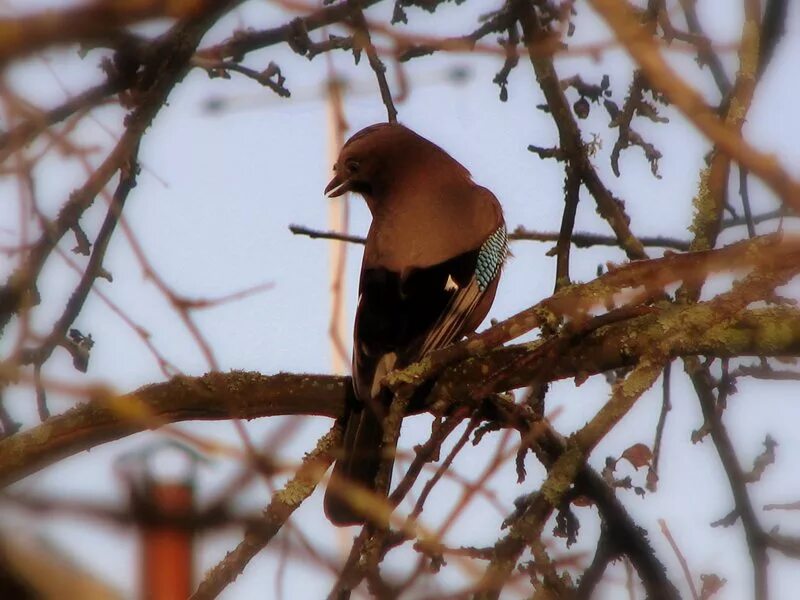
(106, 417)
(245, 395)
(620, 17)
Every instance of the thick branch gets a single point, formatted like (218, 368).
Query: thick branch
(244, 395)
(575, 300)
(105, 417)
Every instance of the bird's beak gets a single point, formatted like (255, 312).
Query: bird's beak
(337, 186)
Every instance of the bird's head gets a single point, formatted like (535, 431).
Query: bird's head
(382, 155)
(351, 173)
(364, 157)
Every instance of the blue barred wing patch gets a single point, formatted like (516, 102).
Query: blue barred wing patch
(492, 254)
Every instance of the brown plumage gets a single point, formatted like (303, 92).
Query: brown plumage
(430, 269)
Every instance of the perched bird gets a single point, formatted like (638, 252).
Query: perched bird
(430, 269)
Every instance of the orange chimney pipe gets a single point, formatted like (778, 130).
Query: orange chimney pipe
(167, 535)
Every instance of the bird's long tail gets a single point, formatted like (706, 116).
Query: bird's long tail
(358, 464)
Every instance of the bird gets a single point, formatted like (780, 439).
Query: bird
(432, 260)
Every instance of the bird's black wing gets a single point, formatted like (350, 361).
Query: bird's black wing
(405, 318)
(399, 320)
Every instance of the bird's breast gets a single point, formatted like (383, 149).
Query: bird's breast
(425, 230)
(399, 248)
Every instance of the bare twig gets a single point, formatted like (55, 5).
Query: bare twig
(579, 239)
(619, 15)
(363, 41)
(609, 207)
(572, 187)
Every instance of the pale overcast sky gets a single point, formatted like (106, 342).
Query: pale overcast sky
(212, 208)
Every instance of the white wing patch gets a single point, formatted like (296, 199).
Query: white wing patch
(385, 365)
(465, 300)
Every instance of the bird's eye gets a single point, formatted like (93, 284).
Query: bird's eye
(351, 166)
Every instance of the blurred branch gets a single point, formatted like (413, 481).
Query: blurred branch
(705, 53)
(294, 33)
(37, 568)
(278, 511)
(623, 319)
(176, 48)
(214, 517)
(94, 267)
(98, 21)
(24, 132)
(773, 28)
(712, 194)
(687, 573)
